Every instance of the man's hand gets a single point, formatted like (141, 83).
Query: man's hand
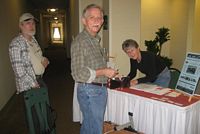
(108, 72)
(45, 62)
(36, 86)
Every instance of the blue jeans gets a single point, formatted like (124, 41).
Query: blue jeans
(163, 78)
(92, 100)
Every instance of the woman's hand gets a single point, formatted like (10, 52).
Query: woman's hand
(133, 82)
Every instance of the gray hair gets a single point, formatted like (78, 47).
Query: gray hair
(129, 43)
(84, 14)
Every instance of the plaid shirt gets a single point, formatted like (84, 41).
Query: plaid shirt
(21, 63)
(86, 55)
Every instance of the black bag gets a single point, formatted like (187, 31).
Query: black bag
(119, 83)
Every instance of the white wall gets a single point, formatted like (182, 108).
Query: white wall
(9, 29)
(196, 29)
(124, 23)
(180, 27)
(154, 15)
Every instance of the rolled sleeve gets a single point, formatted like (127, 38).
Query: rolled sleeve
(92, 75)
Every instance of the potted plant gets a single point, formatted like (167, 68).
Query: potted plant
(155, 46)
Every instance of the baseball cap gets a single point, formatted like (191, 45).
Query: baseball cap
(26, 16)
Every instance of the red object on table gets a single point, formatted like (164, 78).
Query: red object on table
(181, 100)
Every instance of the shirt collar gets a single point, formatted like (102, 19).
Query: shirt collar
(97, 37)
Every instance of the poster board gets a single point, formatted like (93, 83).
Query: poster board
(197, 91)
(190, 73)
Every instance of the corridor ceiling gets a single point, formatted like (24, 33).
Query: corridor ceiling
(44, 4)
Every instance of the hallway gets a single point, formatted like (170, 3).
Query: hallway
(60, 84)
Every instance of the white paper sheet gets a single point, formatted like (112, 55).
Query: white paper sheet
(154, 89)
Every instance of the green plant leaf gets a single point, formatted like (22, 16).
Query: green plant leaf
(155, 46)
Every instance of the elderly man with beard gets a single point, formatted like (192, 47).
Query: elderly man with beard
(26, 59)
(26, 56)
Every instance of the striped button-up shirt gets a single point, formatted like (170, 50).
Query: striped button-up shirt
(87, 56)
(21, 64)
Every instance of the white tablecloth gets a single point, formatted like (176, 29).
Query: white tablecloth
(150, 116)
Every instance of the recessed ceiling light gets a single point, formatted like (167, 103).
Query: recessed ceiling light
(52, 9)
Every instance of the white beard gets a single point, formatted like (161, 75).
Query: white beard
(31, 33)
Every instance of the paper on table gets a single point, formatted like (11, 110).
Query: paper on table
(173, 94)
(145, 87)
(161, 91)
(151, 88)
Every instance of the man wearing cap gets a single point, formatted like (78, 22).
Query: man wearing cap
(26, 56)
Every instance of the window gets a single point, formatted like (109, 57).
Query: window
(57, 32)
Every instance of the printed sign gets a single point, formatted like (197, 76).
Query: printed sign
(190, 73)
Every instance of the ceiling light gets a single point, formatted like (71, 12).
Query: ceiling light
(52, 9)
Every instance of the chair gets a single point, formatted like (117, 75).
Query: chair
(174, 77)
(37, 110)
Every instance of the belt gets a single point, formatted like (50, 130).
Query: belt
(96, 84)
(99, 84)
(38, 76)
